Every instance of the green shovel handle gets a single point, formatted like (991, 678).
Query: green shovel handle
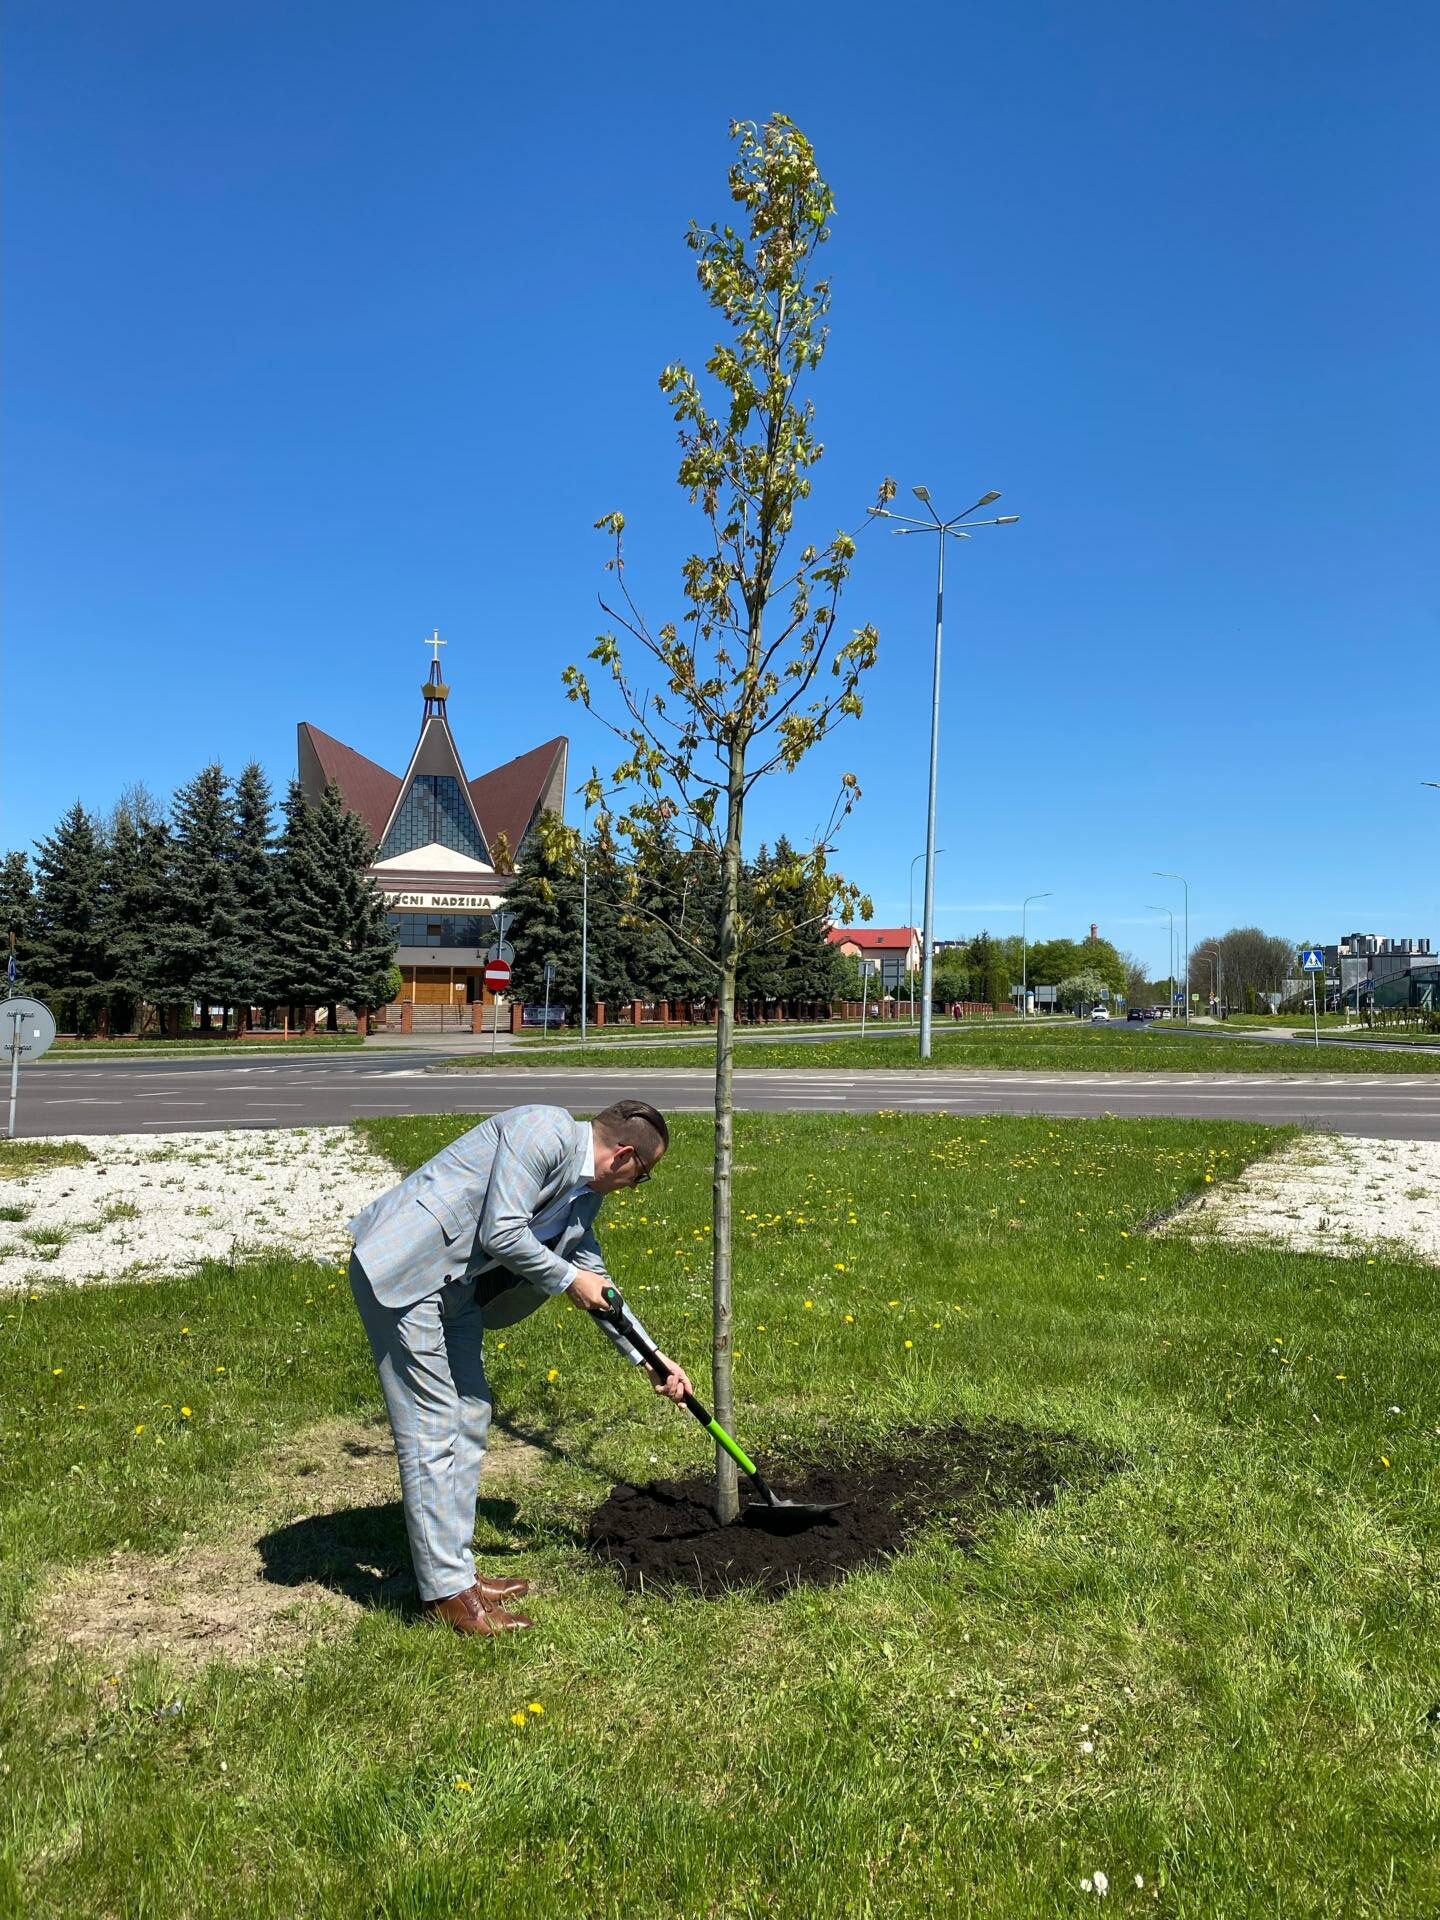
(614, 1311)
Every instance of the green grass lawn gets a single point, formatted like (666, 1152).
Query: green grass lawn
(1215, 1671)
(1119, 1047)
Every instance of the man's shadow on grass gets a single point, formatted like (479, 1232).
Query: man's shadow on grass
(363, 1552)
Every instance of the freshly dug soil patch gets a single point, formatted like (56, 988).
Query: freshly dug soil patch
(665, 1533)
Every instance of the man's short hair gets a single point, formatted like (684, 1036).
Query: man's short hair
(634, 1123)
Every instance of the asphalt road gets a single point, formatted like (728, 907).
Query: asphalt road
(163, 1096)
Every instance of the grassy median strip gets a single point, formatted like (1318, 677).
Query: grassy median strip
(1212, 1673)
(1119, 1048)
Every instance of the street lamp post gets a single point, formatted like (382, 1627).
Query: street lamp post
(1184, 883)
(910, 928)
(1024, 953)
(959, 528)
(1170, 911)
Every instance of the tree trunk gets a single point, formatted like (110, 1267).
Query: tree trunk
(727, 1495)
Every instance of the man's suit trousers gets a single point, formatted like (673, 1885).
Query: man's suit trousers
(432, 1373)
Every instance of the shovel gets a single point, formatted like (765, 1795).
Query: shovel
(776, 1515)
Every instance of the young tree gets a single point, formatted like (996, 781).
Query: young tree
(741, 671)
(71, 965)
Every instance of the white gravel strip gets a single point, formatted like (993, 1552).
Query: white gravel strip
(148, 1204)
(1329, 1194)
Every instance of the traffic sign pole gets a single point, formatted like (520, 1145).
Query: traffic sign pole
(32, 1031)
(1312, 959)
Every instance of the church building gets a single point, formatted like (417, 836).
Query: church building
(445, 845)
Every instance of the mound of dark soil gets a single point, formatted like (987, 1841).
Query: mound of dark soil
(665, 1533)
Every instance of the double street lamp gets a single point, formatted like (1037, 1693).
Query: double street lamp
(1024, 953)
(958, 528)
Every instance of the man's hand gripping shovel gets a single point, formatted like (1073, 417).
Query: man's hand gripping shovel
(770, 1511)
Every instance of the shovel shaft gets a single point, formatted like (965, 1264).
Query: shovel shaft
(616, 1314)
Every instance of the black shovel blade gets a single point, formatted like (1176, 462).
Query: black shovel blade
(787, 1516)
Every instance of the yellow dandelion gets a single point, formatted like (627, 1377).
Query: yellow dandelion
(463, 1786)
(184, 1413)
(909, 1343)
(839, 1266)
(219, 1369)
(1384, 1461)
(553, 1374)
(536, 1707)
(517, 1719)
(141, 1427)
(809, 1303)
(56, 1372)
(849, 1319)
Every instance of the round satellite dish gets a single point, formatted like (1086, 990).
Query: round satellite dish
(27, 1028)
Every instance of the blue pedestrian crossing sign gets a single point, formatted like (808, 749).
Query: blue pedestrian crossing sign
(1312, 960)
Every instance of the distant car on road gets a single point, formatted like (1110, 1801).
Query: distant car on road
(1138, 1013)
(1099, 1013)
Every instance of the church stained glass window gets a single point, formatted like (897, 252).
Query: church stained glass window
(434, 810)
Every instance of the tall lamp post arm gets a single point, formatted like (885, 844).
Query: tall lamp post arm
(927, 958)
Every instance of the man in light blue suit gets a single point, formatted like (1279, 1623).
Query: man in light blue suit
(479, 1237)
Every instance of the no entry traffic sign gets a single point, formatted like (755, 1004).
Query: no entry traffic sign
(497, 976)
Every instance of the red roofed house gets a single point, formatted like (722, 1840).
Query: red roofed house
(890, 952)
(441, 840)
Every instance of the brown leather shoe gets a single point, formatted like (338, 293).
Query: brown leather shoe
(467, 1613)
(500, 1590)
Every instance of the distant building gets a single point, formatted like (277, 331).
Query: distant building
(444, 843)
(1372, 969)
(892, 952)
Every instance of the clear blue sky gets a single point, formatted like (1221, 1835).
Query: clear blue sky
(328, 324)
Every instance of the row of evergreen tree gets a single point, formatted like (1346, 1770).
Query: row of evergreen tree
(145, 915)
(652, 929)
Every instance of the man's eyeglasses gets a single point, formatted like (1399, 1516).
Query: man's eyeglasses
(644, 1172)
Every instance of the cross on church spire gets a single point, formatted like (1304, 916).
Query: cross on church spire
(434, 689)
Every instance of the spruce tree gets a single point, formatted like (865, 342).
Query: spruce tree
(543, 911)
(368, 938)
(17, 911)
(198, 951)
(253, 862)
(136, 905)
(311, 908)
(72, 963)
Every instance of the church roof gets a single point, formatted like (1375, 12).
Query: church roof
(511, 798)
(367, 789)
(507, 800)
